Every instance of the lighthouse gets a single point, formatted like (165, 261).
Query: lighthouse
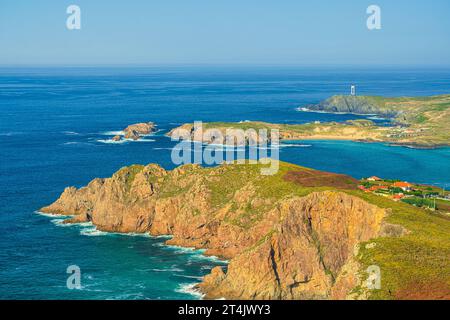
(353, 90)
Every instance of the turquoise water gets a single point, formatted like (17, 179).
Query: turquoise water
(55, 126)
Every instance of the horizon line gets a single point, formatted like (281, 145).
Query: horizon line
(268, 65)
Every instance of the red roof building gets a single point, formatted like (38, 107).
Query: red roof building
(376, 188)
(403, 185)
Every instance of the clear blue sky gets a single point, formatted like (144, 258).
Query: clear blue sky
(414, 32)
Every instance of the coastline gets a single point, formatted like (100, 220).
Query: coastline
(302, 109)
(192, 289)
(321, 137)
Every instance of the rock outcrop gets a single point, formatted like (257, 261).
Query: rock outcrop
(354, 104)
(298, 243)
(136, 131)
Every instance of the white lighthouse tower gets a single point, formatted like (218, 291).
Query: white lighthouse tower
(353, 90)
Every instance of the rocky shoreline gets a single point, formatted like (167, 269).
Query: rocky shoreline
(420, 123)
(302, 245)
(136, 131)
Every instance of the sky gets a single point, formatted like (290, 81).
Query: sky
(282, 32)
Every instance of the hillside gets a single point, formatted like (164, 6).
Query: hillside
(299, 234)
(426, 118)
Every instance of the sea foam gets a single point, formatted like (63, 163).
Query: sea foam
(189, 288)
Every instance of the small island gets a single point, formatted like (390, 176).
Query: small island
(136, 131)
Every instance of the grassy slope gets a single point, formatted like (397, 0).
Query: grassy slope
(415, 259)
(420, 257)
(431, 113)
(412, 261)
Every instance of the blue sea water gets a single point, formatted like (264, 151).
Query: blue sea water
(55, 126)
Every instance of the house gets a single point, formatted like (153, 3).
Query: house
(405, 186)
(362, 188)
(376, 188)
(374, 178)
(398, 197)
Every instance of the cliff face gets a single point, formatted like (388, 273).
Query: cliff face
(354, 104)
(299, 244)
(305, 253)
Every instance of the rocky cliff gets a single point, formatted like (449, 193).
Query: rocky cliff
(354, 104)
(136, 131)
(285, 239)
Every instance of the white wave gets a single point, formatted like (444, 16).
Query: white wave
(83, 224)
(92, 232)
(60, 223)
(206, 268)
(87, 228)
(189, 288)
(284, 145)
(112, 133)
(111, 141)
(189, 277)
(135, 234)
(177, 249)
(163, 237)
(76, 143)
(195, 254)
(144, 140)
(202, 257)
(9, 134)
(301, 109)
(52, 215)
(70, 133)
(171, 269)
(377, 118)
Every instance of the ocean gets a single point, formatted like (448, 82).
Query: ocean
(55, 131)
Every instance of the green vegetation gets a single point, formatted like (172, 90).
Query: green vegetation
(416, 121)
(417, 258)
(421, 119)
(407, 263)
(128, 174)
(419, 202)
(421, 256)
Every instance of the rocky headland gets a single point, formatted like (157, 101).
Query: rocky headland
(136, 131)
(416, 121)
(300, 234)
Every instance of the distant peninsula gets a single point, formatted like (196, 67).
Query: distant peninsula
(420, 122)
